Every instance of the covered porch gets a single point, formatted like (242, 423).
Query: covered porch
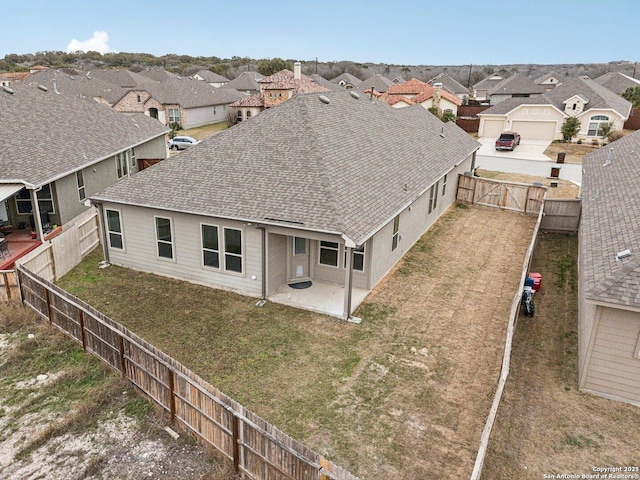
(321, 297)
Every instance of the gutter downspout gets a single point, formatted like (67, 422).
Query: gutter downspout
(263, 298)
(103, 231)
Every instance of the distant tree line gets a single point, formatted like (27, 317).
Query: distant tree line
(231, 67)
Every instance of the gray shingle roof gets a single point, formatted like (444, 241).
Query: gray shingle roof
(157, 74)
(187, 92)
(85, 85)
(120, 78)
(544, 77)
(245, 81)
(379, 83)
(323, 82)
(597, 96)
(45, 135)
(489, 82)
(347, 77)
(617, 82)
(450, 84)
(345, 167)
(611, 222)
(212, 77)
(514, 85)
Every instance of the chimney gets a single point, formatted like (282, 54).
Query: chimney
(437, 94)
(297, 71)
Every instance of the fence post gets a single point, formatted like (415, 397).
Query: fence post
(235, 428)
(172, 398)
(324, 463)
(19, 283)
(121, 348)
(82, 335)
(46, 299)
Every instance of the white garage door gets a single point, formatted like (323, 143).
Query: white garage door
(535, 130)
(492, 128)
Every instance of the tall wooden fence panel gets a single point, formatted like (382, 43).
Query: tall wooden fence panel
(257, 449)
(561, 215)
(9, 285)
(494, 193)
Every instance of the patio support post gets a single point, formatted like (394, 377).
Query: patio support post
(348, 287)
(35, 210)
(103, 231)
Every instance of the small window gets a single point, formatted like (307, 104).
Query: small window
(573, 107)
(535, 111)
(358, 258)
(546, 111)
(214, 109)
(248, 114)
(233, 250)
(395, 236)
(121, 164)
(80, 181)
(164, 238)
(138, 98)
(210, 246)
(239, 117)
(132, 154)
(525, 111)
(433, 197)
(329, 253)
(114, 229)
(174, 115)
(444, 185)
(299, 246)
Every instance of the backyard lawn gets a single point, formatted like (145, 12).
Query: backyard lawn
(404, 394)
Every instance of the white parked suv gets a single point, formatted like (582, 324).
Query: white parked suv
(181, 142)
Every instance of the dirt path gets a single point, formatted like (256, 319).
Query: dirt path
(545, 426)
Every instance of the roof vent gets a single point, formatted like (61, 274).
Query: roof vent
(8, 89)
(437, 85)
(623, 254)
(355, 95)
(324, 99)
(43, 88)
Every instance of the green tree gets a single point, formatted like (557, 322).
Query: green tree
(570, 128)
(633, 95)
(448, 116)
(269, 67)
(435, 111)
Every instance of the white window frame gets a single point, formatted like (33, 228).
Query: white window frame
(360, 252)
(444, 184)
(160, 241)
(172, 116)
(42, 200)
(110, 232)
(82, 193)
(433, 196)
(598, 120)
(132, 155)
(395, 237)
(233, 254)
(329, 248)
(122, 165)
(210, 250)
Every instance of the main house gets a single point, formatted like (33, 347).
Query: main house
(609, 272)
(325, 191)
(57, 149)
(541, 117)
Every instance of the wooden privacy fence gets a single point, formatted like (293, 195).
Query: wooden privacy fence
(561, 215)
(256, 448)
(495, 193)
(57, 256)
(9, 286)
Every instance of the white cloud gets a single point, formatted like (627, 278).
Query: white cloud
(97, 43)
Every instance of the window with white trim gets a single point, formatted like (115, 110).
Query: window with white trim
(433, 197)
(164, 237)
(174, 115)
(80, 181)
(395, 236)
(210, 246)
(329, 253)
(444, 184)
(233, 250)
(358, 258)
(595, 125)
(132, 154)
(114, 229)
(45, 200)
(121, 164)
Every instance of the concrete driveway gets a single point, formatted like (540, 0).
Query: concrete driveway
(527, 150)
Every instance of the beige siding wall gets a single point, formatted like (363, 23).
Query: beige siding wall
(156, 148)
(337, 275)
(277, 258)
(194, 117)
(537, 113)
(414, 222)
(586, 116)
(612, 369)
(140, 252)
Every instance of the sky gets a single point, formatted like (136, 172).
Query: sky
(395, 32)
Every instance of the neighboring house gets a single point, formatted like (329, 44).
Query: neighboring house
(326, 191)
(58, 149)
(274, 90)
(515, 86)
(185, 101)
(481, 88)
(415, 92)
(246, 82)
(211, 78)
(323, 82)
(617, 82)
(120, 78)
(541, 117)
(378, 82)
(609, 272)
(347, 81)
(157, 74)
(9, 78)
(451, 85)
(549, 81)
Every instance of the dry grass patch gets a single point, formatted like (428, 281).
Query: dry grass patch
(564, 188)
(402, 395)
(574, 151)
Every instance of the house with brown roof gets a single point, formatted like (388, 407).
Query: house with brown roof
(185, 101)
(541, 117)
(609, 272)
(58, 149)
(274, 90)
(415, 92)
(292, 207)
